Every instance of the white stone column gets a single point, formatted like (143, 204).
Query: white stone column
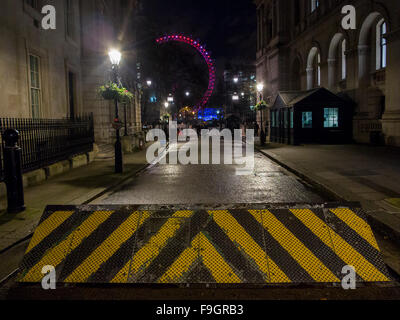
(331, 74)
(310, 78)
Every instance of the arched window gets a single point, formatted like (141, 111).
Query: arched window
(344, 63)
(314, 5)
(318, 70)
(381, 49)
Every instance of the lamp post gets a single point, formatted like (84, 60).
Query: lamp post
(115, 58)
(260, 88)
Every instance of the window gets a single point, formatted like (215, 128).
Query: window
(35, 88)
(291, 119)
(331, 117)
(314, 5)
(318, 70)
(344, 64)
(381, 48)
(306, 120)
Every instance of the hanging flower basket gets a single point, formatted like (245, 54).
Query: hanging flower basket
(124, 96)
(262, 105)
(111, 91)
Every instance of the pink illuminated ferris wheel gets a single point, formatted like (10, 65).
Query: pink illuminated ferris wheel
(205, 54)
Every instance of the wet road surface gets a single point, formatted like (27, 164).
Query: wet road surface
(205, 184)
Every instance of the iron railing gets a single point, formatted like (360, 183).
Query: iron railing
(47, 141)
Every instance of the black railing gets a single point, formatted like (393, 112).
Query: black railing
(47, 141)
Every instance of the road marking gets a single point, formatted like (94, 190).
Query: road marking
(201, 248)
(47, 227)
(304, 256)
(345, 251)
(357, 224)
(244, 242)
(143, 258)
(108, 247)
(57, 254)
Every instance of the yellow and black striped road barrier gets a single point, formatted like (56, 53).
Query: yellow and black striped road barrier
(120, 244)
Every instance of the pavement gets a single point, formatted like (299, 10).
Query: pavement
(367, 174)
(75, 187)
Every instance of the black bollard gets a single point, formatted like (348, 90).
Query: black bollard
(13, 172)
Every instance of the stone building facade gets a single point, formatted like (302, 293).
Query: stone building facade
(55, 74)
(301, 45)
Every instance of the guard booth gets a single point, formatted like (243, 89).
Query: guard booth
(313, 116)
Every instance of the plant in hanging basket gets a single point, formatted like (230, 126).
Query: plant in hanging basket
(262, 105)
(111, 91)
(124, 96)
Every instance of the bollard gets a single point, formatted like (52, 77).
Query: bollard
(13, 172)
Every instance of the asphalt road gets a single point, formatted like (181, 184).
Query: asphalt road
(213, 184)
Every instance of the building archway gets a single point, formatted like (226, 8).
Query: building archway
(337, 62)
(370, 44)
(372, 54)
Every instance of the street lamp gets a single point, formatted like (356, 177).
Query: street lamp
(236, 80)
(166, 105)
(260, 88)
(149, 83)
(187, 93)
(115, 58)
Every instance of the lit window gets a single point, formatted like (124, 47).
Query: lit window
(291, 119)
(381, 48)
(306, 120)
(35, 88)
(314, 5)
(331, 117)
(344, 64)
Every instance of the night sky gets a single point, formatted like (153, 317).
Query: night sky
(227, 28)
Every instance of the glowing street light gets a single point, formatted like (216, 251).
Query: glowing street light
(236, 80)
(260, 87)
(149, 83)
(115, 57)
(187, 93)
(166, 105)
